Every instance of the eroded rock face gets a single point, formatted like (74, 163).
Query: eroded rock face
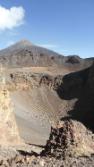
(70, 138)
(28, 107)
(34, 104)
(8, 127)
(47, 109)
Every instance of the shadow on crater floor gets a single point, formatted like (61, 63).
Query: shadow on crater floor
(78, 85)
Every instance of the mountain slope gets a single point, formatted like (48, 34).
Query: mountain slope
(25, 54)
(44, 110)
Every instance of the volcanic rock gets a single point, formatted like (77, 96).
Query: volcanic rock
(46, 107)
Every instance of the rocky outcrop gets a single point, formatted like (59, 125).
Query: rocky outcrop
(44, 114)
(70, 138)
(40, 101)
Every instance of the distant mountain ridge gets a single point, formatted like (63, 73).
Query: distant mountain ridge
(26, 54)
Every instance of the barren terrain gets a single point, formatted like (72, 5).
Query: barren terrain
(46, 108)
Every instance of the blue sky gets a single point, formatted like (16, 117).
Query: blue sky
(65, 26)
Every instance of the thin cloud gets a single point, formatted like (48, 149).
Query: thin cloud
(56, 48)
(49, 46)
(11, 18)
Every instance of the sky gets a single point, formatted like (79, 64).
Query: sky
(65, 26)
